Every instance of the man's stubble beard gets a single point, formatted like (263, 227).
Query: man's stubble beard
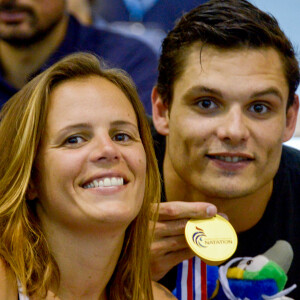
(24, 40)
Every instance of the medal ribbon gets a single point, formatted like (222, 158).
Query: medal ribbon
(191, 283)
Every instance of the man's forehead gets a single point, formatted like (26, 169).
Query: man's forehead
(245, 69)
(201, 53)
(203, 59)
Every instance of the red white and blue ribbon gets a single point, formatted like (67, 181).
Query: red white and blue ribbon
(191, 283)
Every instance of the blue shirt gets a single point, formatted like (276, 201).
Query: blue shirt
(120, 51)
(163, 13)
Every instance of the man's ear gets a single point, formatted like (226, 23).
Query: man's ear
(291, 119)
(160, 113)
(31, 192)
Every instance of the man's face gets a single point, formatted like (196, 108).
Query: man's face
(227, 121)
(24, 22)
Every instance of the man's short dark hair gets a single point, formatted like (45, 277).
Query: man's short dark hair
(224, 24)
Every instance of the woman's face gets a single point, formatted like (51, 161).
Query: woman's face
(91, 166)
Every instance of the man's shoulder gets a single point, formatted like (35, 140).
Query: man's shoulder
(288, 175)
(290, 158)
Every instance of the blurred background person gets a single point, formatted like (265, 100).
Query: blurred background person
(148, 20)
(36, 34)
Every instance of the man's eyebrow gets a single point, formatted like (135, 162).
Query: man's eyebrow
(194, 90)
(269, 91)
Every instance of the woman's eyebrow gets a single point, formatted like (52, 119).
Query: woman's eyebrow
(124, 123)
(74, 126)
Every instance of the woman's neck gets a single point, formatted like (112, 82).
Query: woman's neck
(86, 261)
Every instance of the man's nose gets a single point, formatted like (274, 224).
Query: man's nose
(233, 127)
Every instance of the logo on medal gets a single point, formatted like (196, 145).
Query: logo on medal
(201, 239)
(198, 237)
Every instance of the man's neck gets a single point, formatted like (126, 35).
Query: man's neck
(18, 64)
(243, 212)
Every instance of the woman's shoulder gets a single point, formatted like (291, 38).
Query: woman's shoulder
(161, 293)
(8, 284)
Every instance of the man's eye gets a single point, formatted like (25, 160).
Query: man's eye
(207, 104)
(259, 108)
(74, 140)
(121, 137)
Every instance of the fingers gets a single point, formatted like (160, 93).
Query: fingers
(168, 244)
(179, 209)
(170, 228)
(163, 264)
(224, 216)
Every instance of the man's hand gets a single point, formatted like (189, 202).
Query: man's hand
(169, 246)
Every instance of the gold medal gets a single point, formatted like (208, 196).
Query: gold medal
(214, 240)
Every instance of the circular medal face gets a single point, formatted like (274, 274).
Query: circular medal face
(214, 240)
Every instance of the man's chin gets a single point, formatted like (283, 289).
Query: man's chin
(29, 37)
(228, 192)
(23, 41)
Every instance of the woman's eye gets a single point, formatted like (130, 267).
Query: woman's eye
(74, 140)
(259, 108)
(121, 137)
(206, 104)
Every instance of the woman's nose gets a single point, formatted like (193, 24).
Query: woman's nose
(105, 149)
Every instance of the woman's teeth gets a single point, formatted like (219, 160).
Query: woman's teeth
(105, 182)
